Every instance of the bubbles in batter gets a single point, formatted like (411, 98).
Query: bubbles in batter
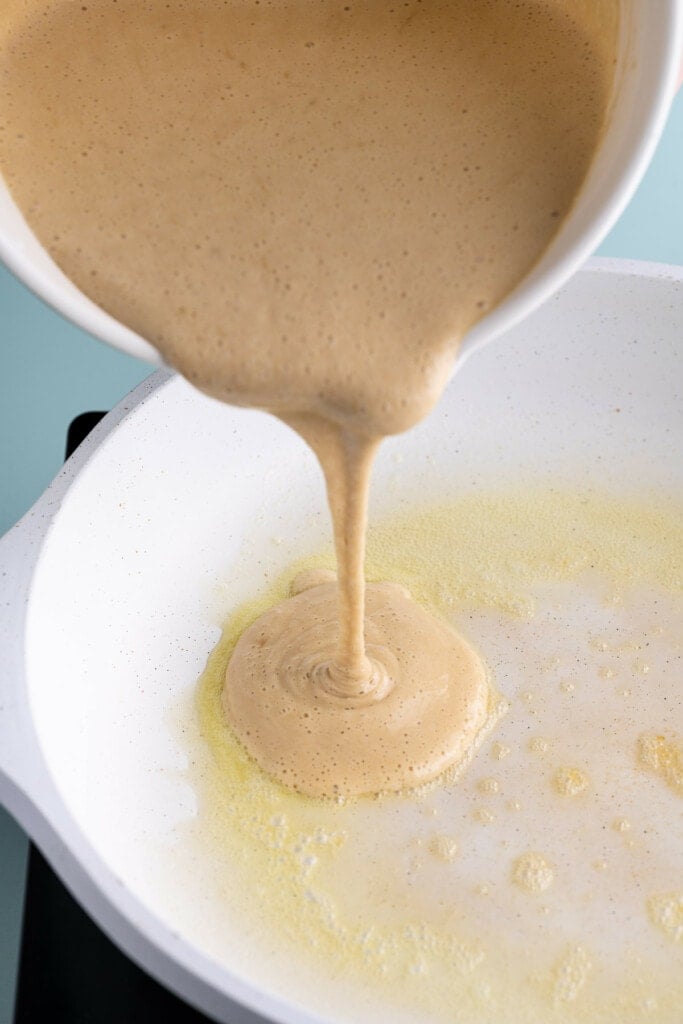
(570, 781)
(533, 872)
(666, 912)
(663, 755)
(571, 975)
(444, 847)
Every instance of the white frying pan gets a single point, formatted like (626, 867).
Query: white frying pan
(113, 586)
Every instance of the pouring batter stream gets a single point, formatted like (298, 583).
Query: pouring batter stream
(305, 205)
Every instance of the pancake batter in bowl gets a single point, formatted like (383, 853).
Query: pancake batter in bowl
(304, 206)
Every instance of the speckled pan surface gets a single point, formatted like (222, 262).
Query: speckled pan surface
(113, 589)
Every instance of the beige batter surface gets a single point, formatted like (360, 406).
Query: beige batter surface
(410, 697)
(304, 205)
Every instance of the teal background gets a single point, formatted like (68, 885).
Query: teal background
(50, 371)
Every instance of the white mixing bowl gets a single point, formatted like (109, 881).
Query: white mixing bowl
(649, 60)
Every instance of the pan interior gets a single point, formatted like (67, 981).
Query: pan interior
(189, 509)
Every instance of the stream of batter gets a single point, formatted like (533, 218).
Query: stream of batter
(304, 205)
